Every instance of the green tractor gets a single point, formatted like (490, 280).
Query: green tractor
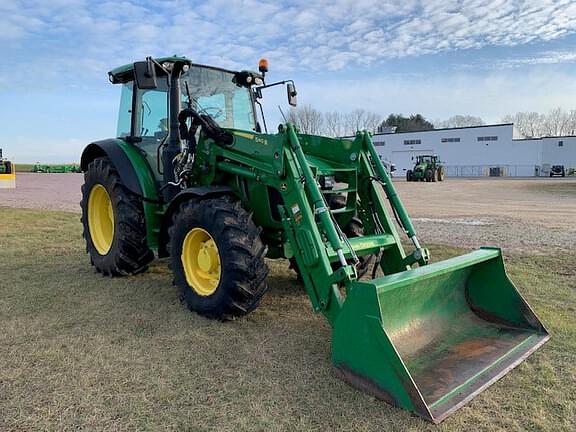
(7, 173)
(194, 175)
(428, 168)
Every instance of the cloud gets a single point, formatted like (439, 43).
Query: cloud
(542, 58)
(63, 46)
(341, 34)
(490, 96)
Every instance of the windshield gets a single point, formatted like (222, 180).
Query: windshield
(214, 93)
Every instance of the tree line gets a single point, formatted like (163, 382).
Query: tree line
(309, 120)
(556, 122)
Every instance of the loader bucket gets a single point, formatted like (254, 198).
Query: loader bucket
(430, 339)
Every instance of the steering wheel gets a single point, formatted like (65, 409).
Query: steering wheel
(208, 124)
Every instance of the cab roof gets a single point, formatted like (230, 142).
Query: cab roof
(125, 73)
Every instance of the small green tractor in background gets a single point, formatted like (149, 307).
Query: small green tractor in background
(7, 173)
(427, 168)
(194, 175)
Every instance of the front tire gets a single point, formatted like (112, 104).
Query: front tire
(217, 258)
(409, 175)
(441, 174)
(113, 222)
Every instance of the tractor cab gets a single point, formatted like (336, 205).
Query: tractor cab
(149, 109)
(160, 97)
(426, 159)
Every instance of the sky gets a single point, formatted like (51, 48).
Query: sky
(438, 58)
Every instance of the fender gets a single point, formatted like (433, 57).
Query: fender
(136, 175)
(185, 195)
(113, 150)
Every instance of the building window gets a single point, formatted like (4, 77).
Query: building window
(447, 140)
(412, 142)
(560, 143)
(379, 143)
(488, 138)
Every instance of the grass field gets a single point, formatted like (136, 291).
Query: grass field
(80, 351)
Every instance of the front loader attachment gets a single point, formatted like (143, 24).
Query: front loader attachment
(427, 339)
(430, 339)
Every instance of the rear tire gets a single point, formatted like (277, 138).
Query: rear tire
(118, 246)
(236, 268)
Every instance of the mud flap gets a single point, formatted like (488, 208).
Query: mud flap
(430, 339)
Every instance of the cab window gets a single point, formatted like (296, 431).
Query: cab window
(124, 128)
(153, 120)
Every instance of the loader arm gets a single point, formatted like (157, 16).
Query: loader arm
(424, 336)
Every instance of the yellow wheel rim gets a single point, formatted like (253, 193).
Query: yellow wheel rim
(101, 219)
(201, 262)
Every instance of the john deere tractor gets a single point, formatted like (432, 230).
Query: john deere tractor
(194, 175)
(428, 168)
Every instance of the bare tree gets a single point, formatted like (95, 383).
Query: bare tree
(459, 121)
(360, 119)
(308, 119)
(528, 124)
(334, 124)
(557, 122)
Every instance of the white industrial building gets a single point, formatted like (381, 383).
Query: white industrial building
(478, 151)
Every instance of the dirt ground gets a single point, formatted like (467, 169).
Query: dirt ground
(44, 191)
(535, 214)
(520, 215)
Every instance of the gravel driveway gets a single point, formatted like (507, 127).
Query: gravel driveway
(521, 215)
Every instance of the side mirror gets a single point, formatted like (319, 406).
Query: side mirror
(145, 74)
(292, 93)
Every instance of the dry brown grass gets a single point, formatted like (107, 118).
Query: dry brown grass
(79, 351)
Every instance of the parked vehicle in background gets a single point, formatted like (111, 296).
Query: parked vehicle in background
(390, 167)
(557, 171)
(7, 173)
(72, 168)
